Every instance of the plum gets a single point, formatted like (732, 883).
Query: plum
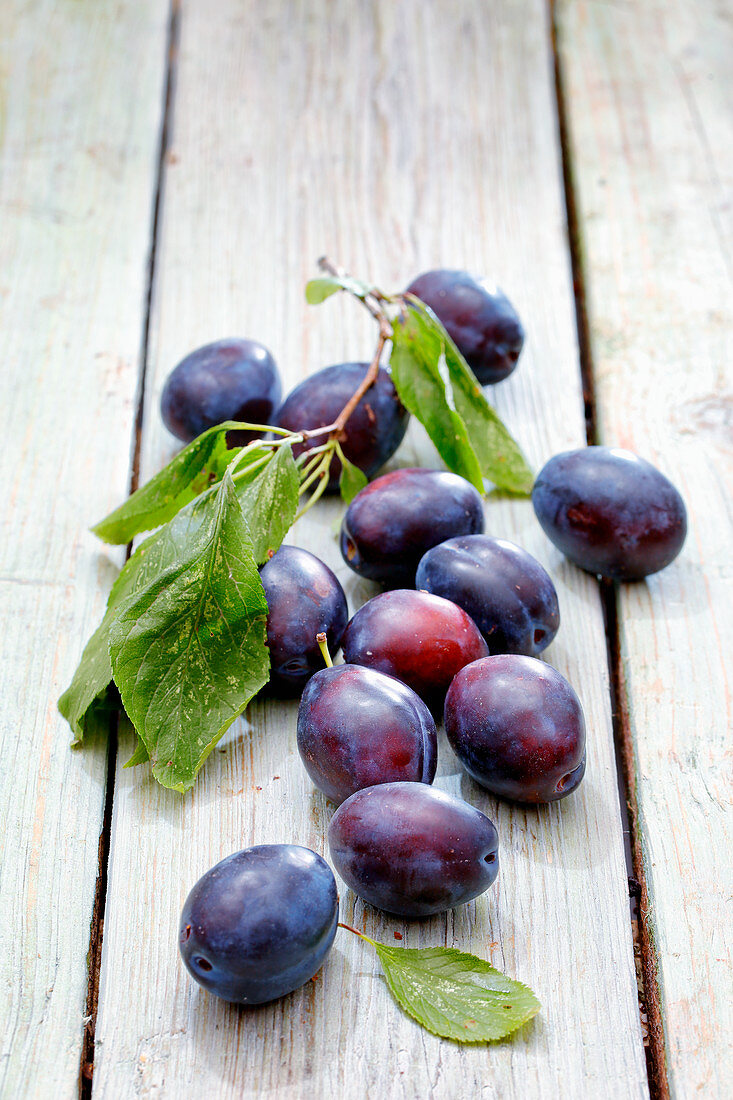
(504, 589)
(391, 523)
(483, 324)
(517, 727)
(421, 639)
(374, 430)
(413, 850)
(227, 380)
(610, 512)
(260, 923)
(358, 727)
(304, 599)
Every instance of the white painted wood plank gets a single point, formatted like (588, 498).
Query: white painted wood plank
(395, 137)
(78, 143)
(651, 106)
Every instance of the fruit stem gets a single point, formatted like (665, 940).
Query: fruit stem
(323, 646)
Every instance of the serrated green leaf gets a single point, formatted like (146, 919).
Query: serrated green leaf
(269, 502)
(456, 995)
(125, 729)
(415, 369)
(188, 649)
(139, 756)
(179, 482)
(435, 382)
(351, 479)
(84, 704)
(317, 290)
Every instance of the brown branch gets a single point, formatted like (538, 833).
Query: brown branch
(385, 333)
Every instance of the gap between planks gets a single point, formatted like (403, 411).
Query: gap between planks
(649, 996)
(96, 932)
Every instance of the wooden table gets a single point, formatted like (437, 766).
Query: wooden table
(169, 175)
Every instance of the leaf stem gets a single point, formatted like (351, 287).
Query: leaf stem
(314, 470)
(355, 931)
(237, 473)
(321, 472)
(244, 426)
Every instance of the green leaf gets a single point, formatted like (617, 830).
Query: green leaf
(436, 384)
(456, 995)
(269, 502)
(84, 704)
(422, 390)
(351, 480)
(188, 649)
(179, 482)
(139, 756)
(317, 290)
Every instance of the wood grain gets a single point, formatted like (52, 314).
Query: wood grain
(394, 137)
(77, 178)
(651, 117)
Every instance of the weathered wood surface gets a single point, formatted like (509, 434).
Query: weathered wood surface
(651, 111)
(78, 162)
(395, 137)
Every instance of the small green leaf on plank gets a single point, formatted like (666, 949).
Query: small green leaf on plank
(188, 650)
(179, 482)
(269, 502)
(351, 479)
(317, 290)
(456, 995)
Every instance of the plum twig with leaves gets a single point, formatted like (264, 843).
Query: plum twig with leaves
(182, 645)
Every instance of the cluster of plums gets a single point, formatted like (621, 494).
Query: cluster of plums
(457, 632)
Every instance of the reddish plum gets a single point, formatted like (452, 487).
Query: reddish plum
(421, 639)
(358, 727)
(413, 850)
(517, 727)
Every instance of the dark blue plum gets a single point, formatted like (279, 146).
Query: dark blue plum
(260, 923)
(610, 512)
(227, 380)
(421, 639)
(304, 598)
(413, 850)
(482, 323)
(391, 523)
(517, 727)
(358, 727)
(375, 429)
(504, 589)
